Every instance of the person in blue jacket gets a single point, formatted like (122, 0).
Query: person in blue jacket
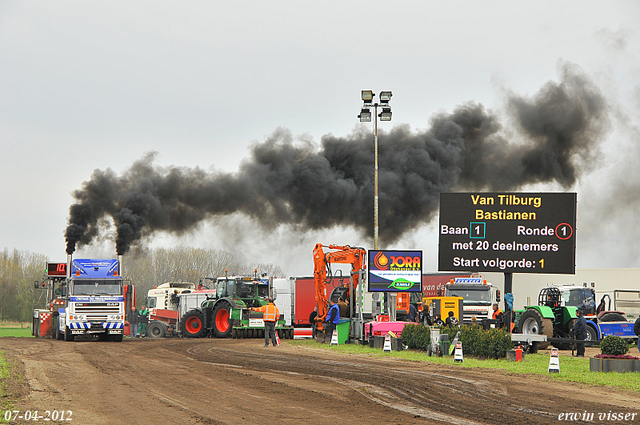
(333, 318)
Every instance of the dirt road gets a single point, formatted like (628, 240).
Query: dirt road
(212, 381)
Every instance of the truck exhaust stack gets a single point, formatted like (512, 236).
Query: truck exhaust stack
(69, 261)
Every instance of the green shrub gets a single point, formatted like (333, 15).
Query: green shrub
(614, 345)
(500, 343)
(451, 331)
(417, 337)
(492, 344)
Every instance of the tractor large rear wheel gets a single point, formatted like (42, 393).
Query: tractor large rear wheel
(192, 324)
(532, 322)
(222, 322)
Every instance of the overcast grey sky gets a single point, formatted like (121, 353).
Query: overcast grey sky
(97, 85)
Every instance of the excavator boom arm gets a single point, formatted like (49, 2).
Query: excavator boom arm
(344, 255)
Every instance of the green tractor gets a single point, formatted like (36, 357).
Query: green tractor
(551, 317)
(229, 313)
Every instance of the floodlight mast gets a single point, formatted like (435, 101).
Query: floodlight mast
(365, 116)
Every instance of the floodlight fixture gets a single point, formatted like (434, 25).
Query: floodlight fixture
(385, 96)
(367, 96)
(365, 115)
(385, 115)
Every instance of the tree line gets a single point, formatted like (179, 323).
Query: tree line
(18, 297)
(145, 269)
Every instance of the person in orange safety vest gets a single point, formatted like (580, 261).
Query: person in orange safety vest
(498, 315)
(270, 316)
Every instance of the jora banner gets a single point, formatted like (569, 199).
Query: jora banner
(395, 271)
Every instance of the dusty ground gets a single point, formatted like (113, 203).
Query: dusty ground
(212, 381)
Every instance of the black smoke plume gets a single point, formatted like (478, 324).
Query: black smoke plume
(555, 135)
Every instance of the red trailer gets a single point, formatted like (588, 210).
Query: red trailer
(296, 297)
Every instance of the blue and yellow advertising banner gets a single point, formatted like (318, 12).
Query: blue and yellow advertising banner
(395, 271)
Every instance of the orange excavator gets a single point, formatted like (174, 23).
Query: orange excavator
(322, 273)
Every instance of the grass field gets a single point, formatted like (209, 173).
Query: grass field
(19, 329)
(572, 369)
(19, 332)
(5, 402)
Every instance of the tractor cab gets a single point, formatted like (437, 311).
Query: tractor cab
(250, 291)
(584, 299)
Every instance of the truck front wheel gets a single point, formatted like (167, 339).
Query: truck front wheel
(156, 330)
(59, 335)
(68, 336)
(592, 334)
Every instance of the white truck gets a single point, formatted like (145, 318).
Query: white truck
(478, 297)
(168, 302)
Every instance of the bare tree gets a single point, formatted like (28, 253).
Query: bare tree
(150, 268)
(144, 268)
(18, 297)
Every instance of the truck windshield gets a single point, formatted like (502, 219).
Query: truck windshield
(97, 287)
(152, 302)
(480, 295)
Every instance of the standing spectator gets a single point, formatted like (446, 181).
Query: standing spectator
(143, 320)
(270, 316)
(438, 321)
(580, 332)
(313, 319)
(413, 313)
(343, 307)
(509, 317)
(333, 318)
(426, 316)
(451, 320)
(498, 315)
(132, 317)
